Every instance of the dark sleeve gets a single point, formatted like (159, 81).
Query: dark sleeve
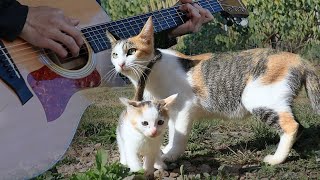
(163, 41)
(12, 19)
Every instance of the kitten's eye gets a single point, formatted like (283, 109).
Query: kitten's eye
(145, 123)
(131, 51)
(160, 122)
(114, 55)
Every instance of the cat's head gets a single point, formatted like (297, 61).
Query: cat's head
(149, 117)
(130, 55)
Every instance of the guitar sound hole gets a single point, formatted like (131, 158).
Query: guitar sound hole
(70, 62)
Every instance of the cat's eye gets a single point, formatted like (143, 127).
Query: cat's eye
(145, 123)
(114, 55)
(131, 51)
(160, 122)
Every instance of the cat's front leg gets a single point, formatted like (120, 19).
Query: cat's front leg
(178, 134)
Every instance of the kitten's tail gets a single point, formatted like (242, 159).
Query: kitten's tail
(312, 85)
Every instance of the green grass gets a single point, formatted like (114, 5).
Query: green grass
(232, 148)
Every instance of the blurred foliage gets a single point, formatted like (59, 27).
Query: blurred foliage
(285, 25)
(118, 9)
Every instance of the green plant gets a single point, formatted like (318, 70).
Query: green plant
(103, 170)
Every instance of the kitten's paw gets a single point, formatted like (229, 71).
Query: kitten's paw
(273, 160)
(149, 174)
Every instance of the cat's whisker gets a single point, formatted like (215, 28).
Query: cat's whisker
(131, 66)
(109, 73)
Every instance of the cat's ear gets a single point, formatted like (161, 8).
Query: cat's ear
(169, 100)
(111, 38)
(129, 103)
(147, 32)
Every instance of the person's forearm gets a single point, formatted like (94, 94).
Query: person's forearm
(12, 19)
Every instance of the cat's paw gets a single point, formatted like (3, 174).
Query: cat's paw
(160, 165)
(273, 160)
(149, 174)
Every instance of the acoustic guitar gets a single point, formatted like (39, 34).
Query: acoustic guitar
(41, 95)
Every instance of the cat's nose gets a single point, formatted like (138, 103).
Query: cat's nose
(122, 65)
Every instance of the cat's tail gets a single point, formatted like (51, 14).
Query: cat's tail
(312, 85)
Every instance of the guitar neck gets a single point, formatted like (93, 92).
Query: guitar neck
(163, 19)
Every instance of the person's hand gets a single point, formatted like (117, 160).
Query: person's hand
(197, 16)
(47, 27)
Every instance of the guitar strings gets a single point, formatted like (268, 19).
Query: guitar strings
(93, 40)
(179, 14)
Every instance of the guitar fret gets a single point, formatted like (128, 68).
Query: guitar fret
(163, 19)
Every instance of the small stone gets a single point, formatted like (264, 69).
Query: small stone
(174, 175)
(96, 146)
(207, 175)
(161, 173)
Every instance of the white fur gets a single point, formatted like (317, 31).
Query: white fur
(273, 96)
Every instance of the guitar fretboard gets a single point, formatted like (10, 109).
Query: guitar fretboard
(163, 19)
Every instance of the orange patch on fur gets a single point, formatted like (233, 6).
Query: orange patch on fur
(278, 66)
(200, 57)
(198, 83)
(287, 123)
(144, 50)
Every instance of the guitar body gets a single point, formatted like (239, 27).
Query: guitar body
(35, 135)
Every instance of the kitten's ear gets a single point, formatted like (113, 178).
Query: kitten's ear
(147, 32)
(129, 103)
(111, 38)
(169, 100)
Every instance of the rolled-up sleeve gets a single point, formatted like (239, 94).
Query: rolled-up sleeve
(12, 19)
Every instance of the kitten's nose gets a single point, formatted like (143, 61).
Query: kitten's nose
(153, 132)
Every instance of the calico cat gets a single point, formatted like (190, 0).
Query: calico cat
(260, 82)
(140, 132)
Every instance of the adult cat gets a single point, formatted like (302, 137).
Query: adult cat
(261, 82)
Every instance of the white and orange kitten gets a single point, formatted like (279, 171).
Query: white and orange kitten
(261, 82)
(140, 133)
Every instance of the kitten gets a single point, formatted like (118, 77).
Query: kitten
(140, 132)
(260, 82)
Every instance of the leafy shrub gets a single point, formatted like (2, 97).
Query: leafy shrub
(285, 25)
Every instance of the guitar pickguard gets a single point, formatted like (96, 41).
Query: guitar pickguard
(55, 91)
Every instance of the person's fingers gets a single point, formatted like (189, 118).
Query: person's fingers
(55, 47)
(66, 40)
(72, 31)
(75, 22)
(186, 1)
